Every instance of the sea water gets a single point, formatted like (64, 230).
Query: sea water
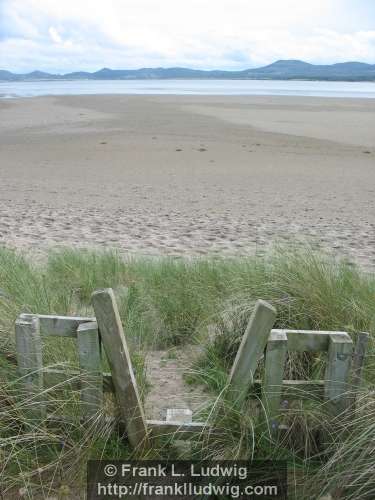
(189, 87)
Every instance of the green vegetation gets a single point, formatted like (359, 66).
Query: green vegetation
(168, 302)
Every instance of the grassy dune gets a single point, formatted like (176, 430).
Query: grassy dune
(167, 302)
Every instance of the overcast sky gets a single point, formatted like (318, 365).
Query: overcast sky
(66, 35)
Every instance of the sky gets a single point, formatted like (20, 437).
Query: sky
(68, 35)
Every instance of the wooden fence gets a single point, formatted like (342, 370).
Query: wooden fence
(259, 338)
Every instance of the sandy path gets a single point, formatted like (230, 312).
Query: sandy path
(188, 174)
(166, 372)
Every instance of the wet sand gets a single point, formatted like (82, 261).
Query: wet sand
(188, 175)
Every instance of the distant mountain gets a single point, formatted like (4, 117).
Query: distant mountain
(291, 69)
(38, 75)
(279, 70)
(7, 76)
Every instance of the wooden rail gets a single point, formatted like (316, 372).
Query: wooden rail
(259, 341)
(336, 388)
(58, 326)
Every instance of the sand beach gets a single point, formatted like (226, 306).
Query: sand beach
(188, 175)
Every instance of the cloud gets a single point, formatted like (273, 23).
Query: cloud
(54, 34)
(89, 34)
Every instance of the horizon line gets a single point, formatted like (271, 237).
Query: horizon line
(62, 73)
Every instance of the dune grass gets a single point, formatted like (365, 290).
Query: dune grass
(166, 302)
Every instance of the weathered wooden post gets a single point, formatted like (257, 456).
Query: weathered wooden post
(337, 372)
(114, 342)
(91, 367)
(252, 346)
(273, 376)
(30, 365)
(357, 366)
(358, 359)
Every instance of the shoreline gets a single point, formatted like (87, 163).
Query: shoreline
(224, 96)
(348, 89)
